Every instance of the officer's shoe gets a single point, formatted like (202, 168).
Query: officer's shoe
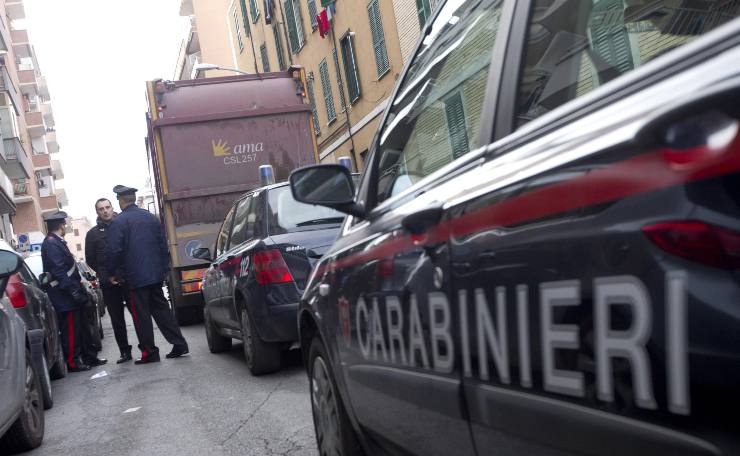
(177, 351)
(125, 356)
(149, 358)
(78, 367)
(97, 362)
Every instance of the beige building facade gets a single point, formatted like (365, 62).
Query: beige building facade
(351, 71)
(75, 237)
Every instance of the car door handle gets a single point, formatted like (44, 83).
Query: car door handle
(324, 289)
(420, 221)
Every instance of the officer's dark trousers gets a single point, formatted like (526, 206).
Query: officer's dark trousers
(147, 303)
(113, 295)
(75, 340)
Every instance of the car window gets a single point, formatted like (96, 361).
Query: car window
(285, 214)
(223, 234)
(25, 275)
(435, 118)
(573, 47)
(35, 264)
(239, 232)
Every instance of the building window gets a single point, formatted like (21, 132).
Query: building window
(424, 10)
(77, 232)
(79, 247)
(342, 103)
(245, 17)
(279, 47)
(331, 112)
(238, 32)
(350, 67)
(265, 60)
(312, 100)
(254, 9)
(295, 25)
(376, 27)
(313, 13)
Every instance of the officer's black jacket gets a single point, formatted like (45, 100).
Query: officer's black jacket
(95, 242)
(58, 260)
(136, 242)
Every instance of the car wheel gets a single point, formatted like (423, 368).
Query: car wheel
(261, 357)
(216, 342)
(28, 430)
(95, 330)
(334, 433)
(45, 382)
(59, 369)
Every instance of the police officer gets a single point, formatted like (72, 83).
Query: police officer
(113, 294)
(136, 244)
(67, 295)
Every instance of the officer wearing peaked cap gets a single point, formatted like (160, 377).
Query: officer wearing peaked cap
(67, 295)
(136, 244)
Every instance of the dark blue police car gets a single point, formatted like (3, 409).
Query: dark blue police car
(543, 255)
(264, 252)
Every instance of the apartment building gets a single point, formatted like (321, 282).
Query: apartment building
(75, 237)
(29, 138)
(352, 67)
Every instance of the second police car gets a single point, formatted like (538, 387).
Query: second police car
(542, 256)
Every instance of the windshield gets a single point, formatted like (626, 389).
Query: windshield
(285, 214)
(35, 264)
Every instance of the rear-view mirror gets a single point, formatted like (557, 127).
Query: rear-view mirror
(202, 253)
(325, 185)
(10, 262)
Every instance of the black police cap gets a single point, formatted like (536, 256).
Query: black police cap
(58, 215)
(123, 190)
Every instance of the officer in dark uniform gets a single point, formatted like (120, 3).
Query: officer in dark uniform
(67, 295)
(136, 244)
(113, 294)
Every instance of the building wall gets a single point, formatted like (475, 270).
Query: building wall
(215, 46)
(75, 237)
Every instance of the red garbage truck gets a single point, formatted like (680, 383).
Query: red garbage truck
(207, 139)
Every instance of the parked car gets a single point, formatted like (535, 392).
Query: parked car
(542, 257)
(21, 396)
(263, 256)
(26, 295)
(88, 274)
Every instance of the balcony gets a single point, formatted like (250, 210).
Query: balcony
(7, 203)
(61, 197)
(47, 112)
(15, 10)
(21, 44)
(52, 146)
(35, 124)
(22, 190)
(49, 203)
(57, 171)
(5, 35)
(41, 161)
(16, 164)
(28, 83)
(7, 86)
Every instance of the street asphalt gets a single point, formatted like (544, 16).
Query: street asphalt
(200, 404)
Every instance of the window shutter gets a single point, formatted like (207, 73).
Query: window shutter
(423, 10)
(342, 103)
(298, 22)
(245, 17)
(455, 113)
(254, 9)
(376, 27)
(312, 100)
(610, 39)
(350, 68)
(265, 60)
(292, 33)
(331, 113)
(279, 47)
(312, 12)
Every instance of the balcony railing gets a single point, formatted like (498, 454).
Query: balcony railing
(21, 187)
(28, 84)
(35, 124)
(51, 141)
(7, 85)
(41, 161)
(17, 165)
(15, 10)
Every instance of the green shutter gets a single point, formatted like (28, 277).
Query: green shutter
(265, 59)
(342, 103)
(312, 12)
(278, 46)
(316, 125)
(609, 36)
(245, 17)
(295, 45)
(350, 68)
(331, 112)
(423, 10)
(254, 9)
(376, 27)
(456, 125)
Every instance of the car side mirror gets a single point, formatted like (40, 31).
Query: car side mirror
(202, 253)
(326, 185)
(10, 262)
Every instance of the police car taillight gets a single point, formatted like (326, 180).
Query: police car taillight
(270, 267)
(16, 293)
(697, 241)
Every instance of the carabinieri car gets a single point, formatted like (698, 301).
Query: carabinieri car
(264, 252)
(543, 255)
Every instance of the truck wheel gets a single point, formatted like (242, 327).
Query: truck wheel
(334, 432)
(59, 369)
(261, 357)
(28, 430)
(216, 342)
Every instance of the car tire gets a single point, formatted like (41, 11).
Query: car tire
(28, 430)
(334, 432)
(59, 369)
(216, 342)
(45, 382)
(95, 330)
(261, 357)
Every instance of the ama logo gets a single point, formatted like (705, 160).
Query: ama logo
(220, 148)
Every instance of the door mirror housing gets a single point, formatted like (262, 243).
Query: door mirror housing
(202, 253)
(10, 262)
(326, 185)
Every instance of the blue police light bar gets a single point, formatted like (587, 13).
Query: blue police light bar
(267, 175)
(346, 162)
